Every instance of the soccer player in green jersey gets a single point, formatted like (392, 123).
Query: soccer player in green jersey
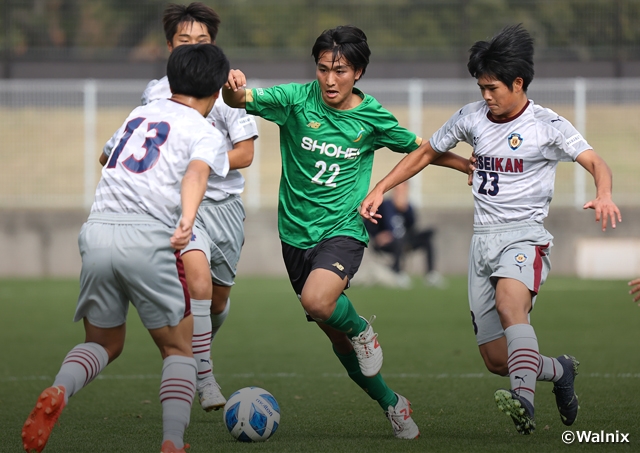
(329, 131)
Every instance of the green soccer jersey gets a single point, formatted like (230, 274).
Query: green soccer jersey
(327, 158)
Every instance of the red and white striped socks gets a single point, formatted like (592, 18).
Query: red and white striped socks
(177, 390)
(524, 359)
(81, 366)
(549, 369)
(205, 327)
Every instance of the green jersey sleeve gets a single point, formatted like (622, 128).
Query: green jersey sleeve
(274, 104)
(391, 135)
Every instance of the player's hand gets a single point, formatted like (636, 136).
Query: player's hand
(182, 234)
(605, 209)
(635, 290)
(369, 206)
(236, 80)
(472, 167)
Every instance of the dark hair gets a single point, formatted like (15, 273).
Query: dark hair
(344, 41)
(507, 56)
(198, 70)
(174, 15)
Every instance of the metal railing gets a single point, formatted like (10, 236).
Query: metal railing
(52, 133)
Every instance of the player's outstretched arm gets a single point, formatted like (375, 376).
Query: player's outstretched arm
(604, 206)
(194, 185)
(635, 290)
(453, 160)
(409, 166)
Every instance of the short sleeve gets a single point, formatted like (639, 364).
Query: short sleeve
(393, 136)
(240, 125)
(455, 130)
(273, 104)
(156, 89)
(563, 141)
(210, 149)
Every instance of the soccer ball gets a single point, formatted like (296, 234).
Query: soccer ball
(251, 414)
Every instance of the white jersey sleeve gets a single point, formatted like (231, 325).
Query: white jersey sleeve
(156, 89)
(563, 141)
(111, 143)
(152, 151)
(457, 129)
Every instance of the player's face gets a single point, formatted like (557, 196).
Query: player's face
(502, 102)
(189, 33)
(336, 79)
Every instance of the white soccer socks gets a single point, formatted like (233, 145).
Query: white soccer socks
(205, 328)
(218, 319)
(81, 365)
(524, 359)
(550, 369)
(201, 340)
(177, 390)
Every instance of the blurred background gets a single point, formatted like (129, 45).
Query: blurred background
(71, 71)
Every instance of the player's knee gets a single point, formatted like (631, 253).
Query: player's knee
(200, 288)
(218, 305)
(114, 351)
(317, 307)
(219, 299)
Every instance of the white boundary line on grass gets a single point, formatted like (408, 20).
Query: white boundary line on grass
(124, 377)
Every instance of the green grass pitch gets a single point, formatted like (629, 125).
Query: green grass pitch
(430, 357)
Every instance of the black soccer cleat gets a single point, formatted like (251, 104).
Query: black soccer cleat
(566, 398)
(518, 408)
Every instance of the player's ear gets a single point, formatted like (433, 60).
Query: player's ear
(170, 46)
(358, 74)
(518, 84)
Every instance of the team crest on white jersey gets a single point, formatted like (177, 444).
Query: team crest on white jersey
(515, 140)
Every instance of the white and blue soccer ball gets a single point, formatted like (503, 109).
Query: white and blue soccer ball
(252, 414)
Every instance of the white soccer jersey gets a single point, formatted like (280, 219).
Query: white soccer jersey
(151, 153)
(517, 159)
(235, 126)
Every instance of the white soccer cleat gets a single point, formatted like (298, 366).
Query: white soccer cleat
(368, 350)
(211, 398)
(400, 417)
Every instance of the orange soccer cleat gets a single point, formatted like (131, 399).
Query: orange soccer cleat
(169, 447)
(38, 427)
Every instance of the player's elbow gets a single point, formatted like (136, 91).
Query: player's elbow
(246, 158)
